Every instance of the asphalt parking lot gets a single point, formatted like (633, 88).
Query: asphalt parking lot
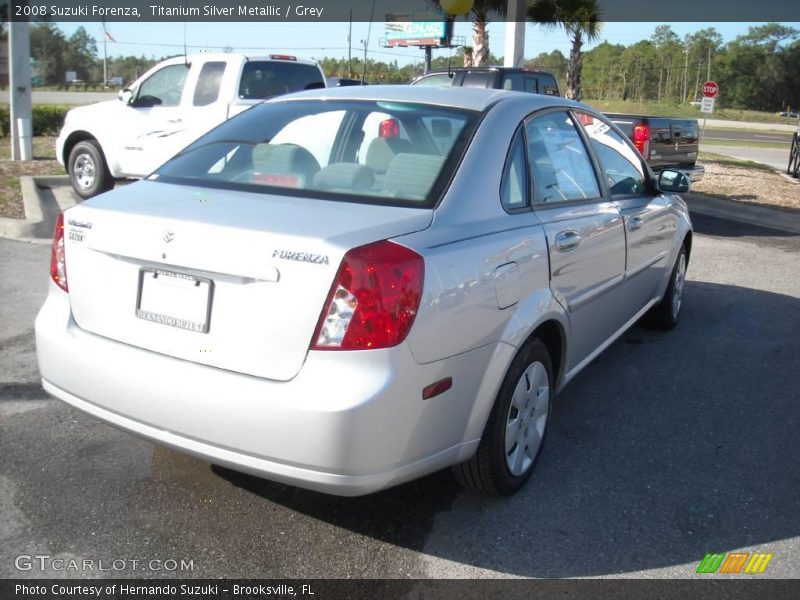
(669, 446)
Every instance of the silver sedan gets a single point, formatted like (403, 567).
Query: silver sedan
(349, 288)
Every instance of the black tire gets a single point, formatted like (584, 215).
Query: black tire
(665, 314)
(488, 472)
(88, 170)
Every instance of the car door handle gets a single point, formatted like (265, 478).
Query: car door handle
(174, 120)
(567, 240)
(634, 223)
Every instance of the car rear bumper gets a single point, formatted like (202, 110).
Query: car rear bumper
(350, 423)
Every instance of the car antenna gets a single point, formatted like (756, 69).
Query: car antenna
(185, 55)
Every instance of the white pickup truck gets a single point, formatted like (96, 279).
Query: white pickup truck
(170, 106)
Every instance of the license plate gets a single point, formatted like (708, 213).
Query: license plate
(174, 299)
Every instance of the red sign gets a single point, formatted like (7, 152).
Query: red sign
(710, 89)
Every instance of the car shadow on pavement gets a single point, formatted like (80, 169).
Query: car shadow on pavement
(668, 446)
(724, 228)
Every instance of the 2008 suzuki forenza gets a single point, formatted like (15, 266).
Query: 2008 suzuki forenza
(348, 289)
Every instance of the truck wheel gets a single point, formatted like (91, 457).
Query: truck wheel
(88, 171)
(515, 433)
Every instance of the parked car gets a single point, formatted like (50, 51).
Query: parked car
(167, 108)
(789, 114)
(345, 290)
(501, 78)
(343, 82)
(665, 143)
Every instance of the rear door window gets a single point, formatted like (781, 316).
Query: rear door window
(560, 166)
(209, 83)
(514, 186)
(265, 79)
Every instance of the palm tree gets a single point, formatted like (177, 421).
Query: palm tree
(480, 36)
(581, 21)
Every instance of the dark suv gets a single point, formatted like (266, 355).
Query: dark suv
(501, 78)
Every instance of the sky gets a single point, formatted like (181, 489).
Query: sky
(330, 39)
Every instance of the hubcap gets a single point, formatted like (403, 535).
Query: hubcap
(677, 290)
(527, 418)
(84, 169)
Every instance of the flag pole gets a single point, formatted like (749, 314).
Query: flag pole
(105, 56)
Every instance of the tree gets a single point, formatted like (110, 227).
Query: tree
(81, 55)
(581, 20)
(49, 48)
(555, 62)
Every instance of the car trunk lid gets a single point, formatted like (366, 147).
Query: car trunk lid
(231, 279)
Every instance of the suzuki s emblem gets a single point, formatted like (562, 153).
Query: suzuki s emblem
(168, 236)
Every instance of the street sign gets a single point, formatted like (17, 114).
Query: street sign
(710, 89)
(707, 105)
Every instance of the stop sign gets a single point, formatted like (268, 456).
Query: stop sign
(710, 89)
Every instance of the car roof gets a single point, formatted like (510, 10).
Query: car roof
(490, 68)
(476, 99)
(226, 56)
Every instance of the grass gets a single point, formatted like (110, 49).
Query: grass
(729, 161)
(748, 144)
(687, 111)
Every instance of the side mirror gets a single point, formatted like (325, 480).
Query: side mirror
(125, 96)
(673, 181)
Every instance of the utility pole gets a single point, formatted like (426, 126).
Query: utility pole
(350, 47)
(19, 69)
(685, 73)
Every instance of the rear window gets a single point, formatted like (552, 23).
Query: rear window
(392, 153)
(479, 79)
(265, 79)
(548, 85)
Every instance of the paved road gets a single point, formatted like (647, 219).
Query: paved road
(667, 447)
(774, 157)
(743, 135)
(70, 98)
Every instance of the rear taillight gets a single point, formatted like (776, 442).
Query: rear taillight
(373, 300)
(58, 259)
(641, 139)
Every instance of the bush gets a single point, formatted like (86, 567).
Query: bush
(47, 119)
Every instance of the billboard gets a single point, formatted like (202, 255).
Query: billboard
(416, 29)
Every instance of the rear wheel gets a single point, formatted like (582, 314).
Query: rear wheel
(665, 314)
(515, 433)
(88, 171)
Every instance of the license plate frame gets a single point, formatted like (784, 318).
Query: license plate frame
(179, 280)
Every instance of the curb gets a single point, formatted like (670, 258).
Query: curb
(39, 215)
(762, 216)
